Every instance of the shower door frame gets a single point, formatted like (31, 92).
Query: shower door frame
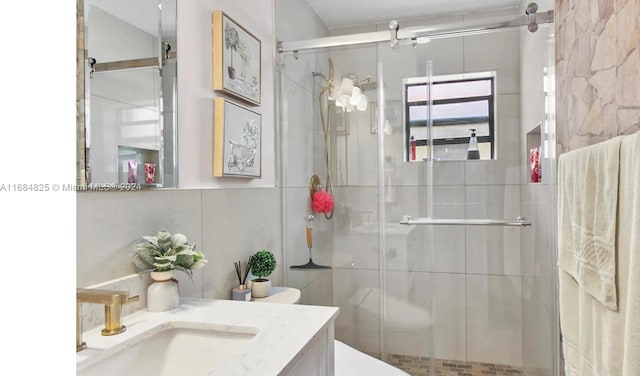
(396, 36)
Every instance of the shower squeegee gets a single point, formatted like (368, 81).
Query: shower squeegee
(310, 264)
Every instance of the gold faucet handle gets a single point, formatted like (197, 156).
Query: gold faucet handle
(112, 314)
(97, 296)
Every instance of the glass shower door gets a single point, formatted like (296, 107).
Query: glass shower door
(404, 178)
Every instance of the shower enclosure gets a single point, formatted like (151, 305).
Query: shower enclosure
(424, 246)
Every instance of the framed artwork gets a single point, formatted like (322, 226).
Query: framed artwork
(236, 60)
(237, 140)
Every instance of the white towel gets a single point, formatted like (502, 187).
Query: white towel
(587, 208)
(597, 341)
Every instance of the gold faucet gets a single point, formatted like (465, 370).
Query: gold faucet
(112, 300)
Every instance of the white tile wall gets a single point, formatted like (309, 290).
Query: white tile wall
(494, 319)
(319, 291)
(409, 323)
(447, 249)
(537, 241)
(493, 250)
(109, 224)
(356, 292)
(235, 224)
(545, 232)
(499, 52)
(537, 333)
(449, 201)
(448, 173)
(527, 235)
(450, 328)
(299, 164)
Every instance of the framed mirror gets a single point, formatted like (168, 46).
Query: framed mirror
(126, 94)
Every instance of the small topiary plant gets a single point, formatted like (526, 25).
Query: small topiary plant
(262, 264)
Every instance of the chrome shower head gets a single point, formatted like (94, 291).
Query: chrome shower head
(365, 84)
(368, 86)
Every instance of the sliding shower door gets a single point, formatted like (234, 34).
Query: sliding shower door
(404, 188)
(338, 136)
(458, 283)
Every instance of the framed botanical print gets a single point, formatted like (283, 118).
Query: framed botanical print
(236, 60)
(237, 141)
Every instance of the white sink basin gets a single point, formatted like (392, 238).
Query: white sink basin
(178, 349)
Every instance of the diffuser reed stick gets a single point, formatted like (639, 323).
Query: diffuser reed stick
(242, 277)
(238, 272)
(246, 272)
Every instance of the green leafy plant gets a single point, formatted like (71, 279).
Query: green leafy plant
(165, 252)
(262, 264)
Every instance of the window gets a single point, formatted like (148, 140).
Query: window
(460, 103)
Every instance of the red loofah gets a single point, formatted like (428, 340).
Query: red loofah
(322, 202)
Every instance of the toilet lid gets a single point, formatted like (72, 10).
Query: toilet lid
(349, 361)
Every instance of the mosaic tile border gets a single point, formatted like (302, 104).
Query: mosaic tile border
(419, 366)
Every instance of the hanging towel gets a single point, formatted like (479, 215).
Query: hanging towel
(597, 341)
(587, 208)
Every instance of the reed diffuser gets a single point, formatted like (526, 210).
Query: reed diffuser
(241, 292)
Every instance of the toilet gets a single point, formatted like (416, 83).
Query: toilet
(348, 361)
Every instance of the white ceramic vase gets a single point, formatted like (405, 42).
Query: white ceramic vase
(260, 289)
(163, 294)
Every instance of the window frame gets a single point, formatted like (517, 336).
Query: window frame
(454, 78)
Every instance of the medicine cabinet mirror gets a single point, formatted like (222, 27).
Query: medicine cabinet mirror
(126, 93)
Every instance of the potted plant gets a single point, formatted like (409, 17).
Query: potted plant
(261, 264)
(163, 254)
(231, 40)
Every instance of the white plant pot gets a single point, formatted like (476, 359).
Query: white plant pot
(163, 294)
(260, 289)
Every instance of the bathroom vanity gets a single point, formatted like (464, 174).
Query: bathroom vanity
(216, 337)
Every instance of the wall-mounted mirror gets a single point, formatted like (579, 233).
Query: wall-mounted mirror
(127, 93)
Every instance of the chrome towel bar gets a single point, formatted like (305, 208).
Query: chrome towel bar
(520, 221)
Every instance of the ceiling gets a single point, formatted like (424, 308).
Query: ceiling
(339, 13)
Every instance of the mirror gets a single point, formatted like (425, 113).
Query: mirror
(127, 93)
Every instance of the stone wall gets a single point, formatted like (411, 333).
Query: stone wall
(597, 63)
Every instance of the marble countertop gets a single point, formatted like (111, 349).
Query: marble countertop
(283, 331)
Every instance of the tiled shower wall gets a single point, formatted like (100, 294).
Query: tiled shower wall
(597, 64)
(302, 152)
(537, 200)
